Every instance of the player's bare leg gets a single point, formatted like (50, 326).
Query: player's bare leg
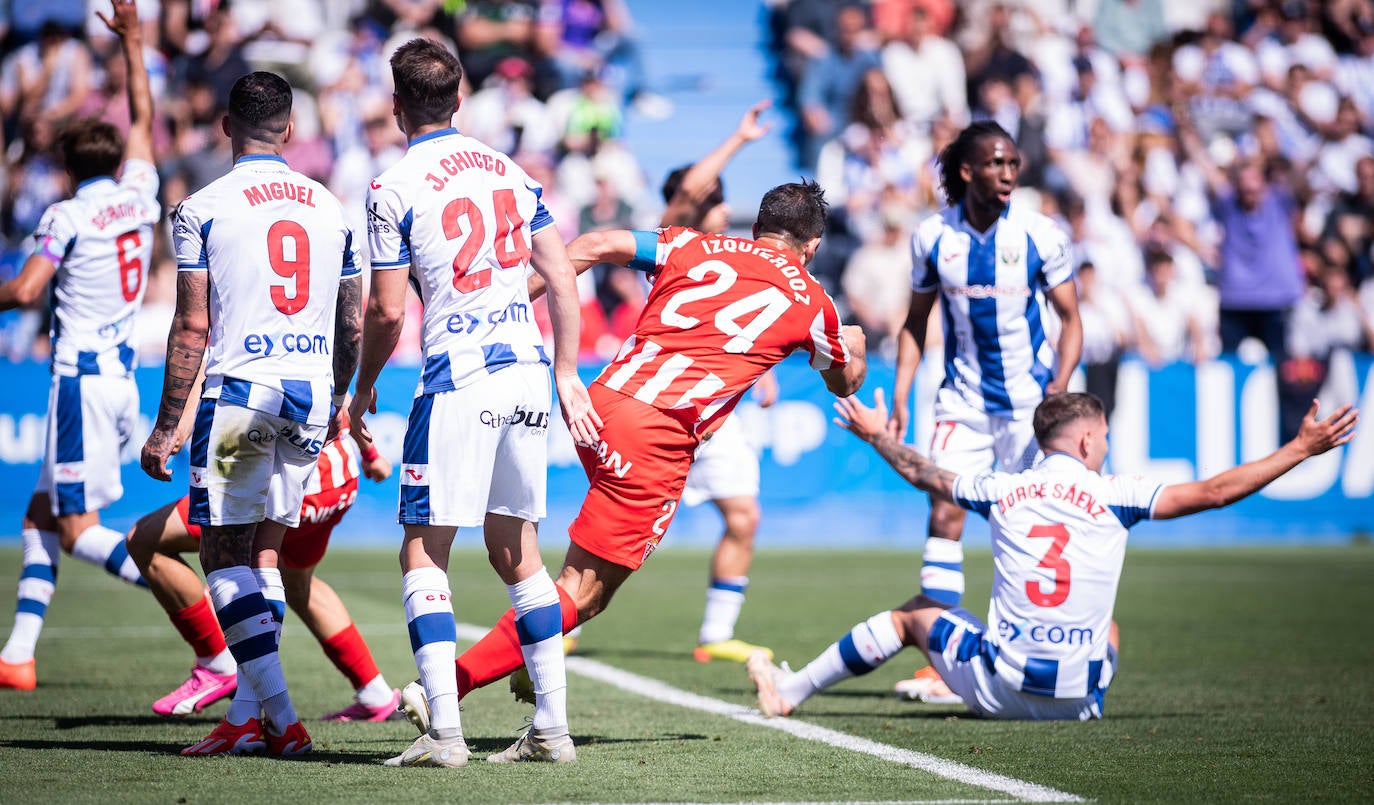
(729, 580)
(156, 543)
(323, 612)
(513, 550)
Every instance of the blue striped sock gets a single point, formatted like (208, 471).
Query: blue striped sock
(539, 623)
(942, 570)
(104, 547)
(37, 580)
(250, 631)
(864, 648)
(434, 641)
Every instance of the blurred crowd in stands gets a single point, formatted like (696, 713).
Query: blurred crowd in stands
(1211, 159)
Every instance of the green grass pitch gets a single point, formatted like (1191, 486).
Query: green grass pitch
(1247, 674)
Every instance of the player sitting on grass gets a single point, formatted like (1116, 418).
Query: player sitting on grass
(1058, 543)
(158, 540)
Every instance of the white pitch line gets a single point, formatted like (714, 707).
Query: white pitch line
(948, 769)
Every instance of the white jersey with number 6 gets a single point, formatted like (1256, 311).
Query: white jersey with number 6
(460, 216)
(101, 241)
(1058, 543)
(275, 244)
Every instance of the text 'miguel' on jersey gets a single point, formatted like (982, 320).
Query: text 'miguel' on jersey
(1058, 543)
(101, 241)
(275, 244)
(460, 217)
(722, 311)
(996, 354)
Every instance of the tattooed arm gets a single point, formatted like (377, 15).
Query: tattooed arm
(185, 348)
(348, 328)
(870, 424)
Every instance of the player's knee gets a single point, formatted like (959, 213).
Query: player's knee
(141, 545)
(741, 520)
(946, 521)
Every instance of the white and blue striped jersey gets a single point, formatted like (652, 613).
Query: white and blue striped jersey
(1058, 543)
(275, 244)
(459, 216)
(996, 353)
(101, 241)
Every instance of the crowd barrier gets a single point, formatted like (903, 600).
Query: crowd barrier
(822, 487)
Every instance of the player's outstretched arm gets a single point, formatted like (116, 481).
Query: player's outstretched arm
(911, 342)
(701, 178)
(386, 315)
(1064, 299)
(870, 424)
(185, 350)
(28, 287)
(1314, 438)
(612, 246)
(550, 260)
(845, 380)
(124, 24)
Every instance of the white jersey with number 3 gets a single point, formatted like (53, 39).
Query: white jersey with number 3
(101, 241)
(1058, 543)
(275, 244)
(460, 217)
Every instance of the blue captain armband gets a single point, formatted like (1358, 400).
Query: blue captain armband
(646, 251)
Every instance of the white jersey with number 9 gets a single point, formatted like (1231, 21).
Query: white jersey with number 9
(275, 244)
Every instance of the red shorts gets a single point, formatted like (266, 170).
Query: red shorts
(637, 472)
(303, 546)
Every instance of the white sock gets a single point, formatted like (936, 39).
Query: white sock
(539, 623)
(37, 580)
(270, 583)
(434, 641)
(104, 547)
(866, 646)
(250, 630)
(245, 704)
(222, 663)
(375, 693)
(724, 600)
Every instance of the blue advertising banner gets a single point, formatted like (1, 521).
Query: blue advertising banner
(821, 487)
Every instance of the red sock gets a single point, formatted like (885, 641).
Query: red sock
(498, 653)
(199, 628)
(350, 655)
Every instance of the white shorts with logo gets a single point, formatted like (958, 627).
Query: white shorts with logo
(965, 663)
(479, 449)
(969, 441)
(725, 466)
(90, 419)
(248, 466)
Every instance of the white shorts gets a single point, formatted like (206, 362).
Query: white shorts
(965, 664)
(248, 466)
(969, 441)
(90, 419)
(482, 448)
(725, 466)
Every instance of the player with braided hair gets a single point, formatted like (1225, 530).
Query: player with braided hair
(989, 262)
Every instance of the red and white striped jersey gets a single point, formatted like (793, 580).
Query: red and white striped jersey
(723, 310)
(339, 463)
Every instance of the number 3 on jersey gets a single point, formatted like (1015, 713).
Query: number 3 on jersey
(1053, 560)
(511, 248)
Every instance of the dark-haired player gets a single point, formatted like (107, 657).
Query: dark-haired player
(268, 292)
(1049, 648)
(988, 262)
(96, 246)
(723, 310)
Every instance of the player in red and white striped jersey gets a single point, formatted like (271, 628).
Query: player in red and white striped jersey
(722, 311)
(158, 540)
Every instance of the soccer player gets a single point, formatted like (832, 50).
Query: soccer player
(97, 245)
(158, 540)
(989, 262)
(1058, 542)
(722, 312)
(268, 291)
(464, 223)
(725, 470)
